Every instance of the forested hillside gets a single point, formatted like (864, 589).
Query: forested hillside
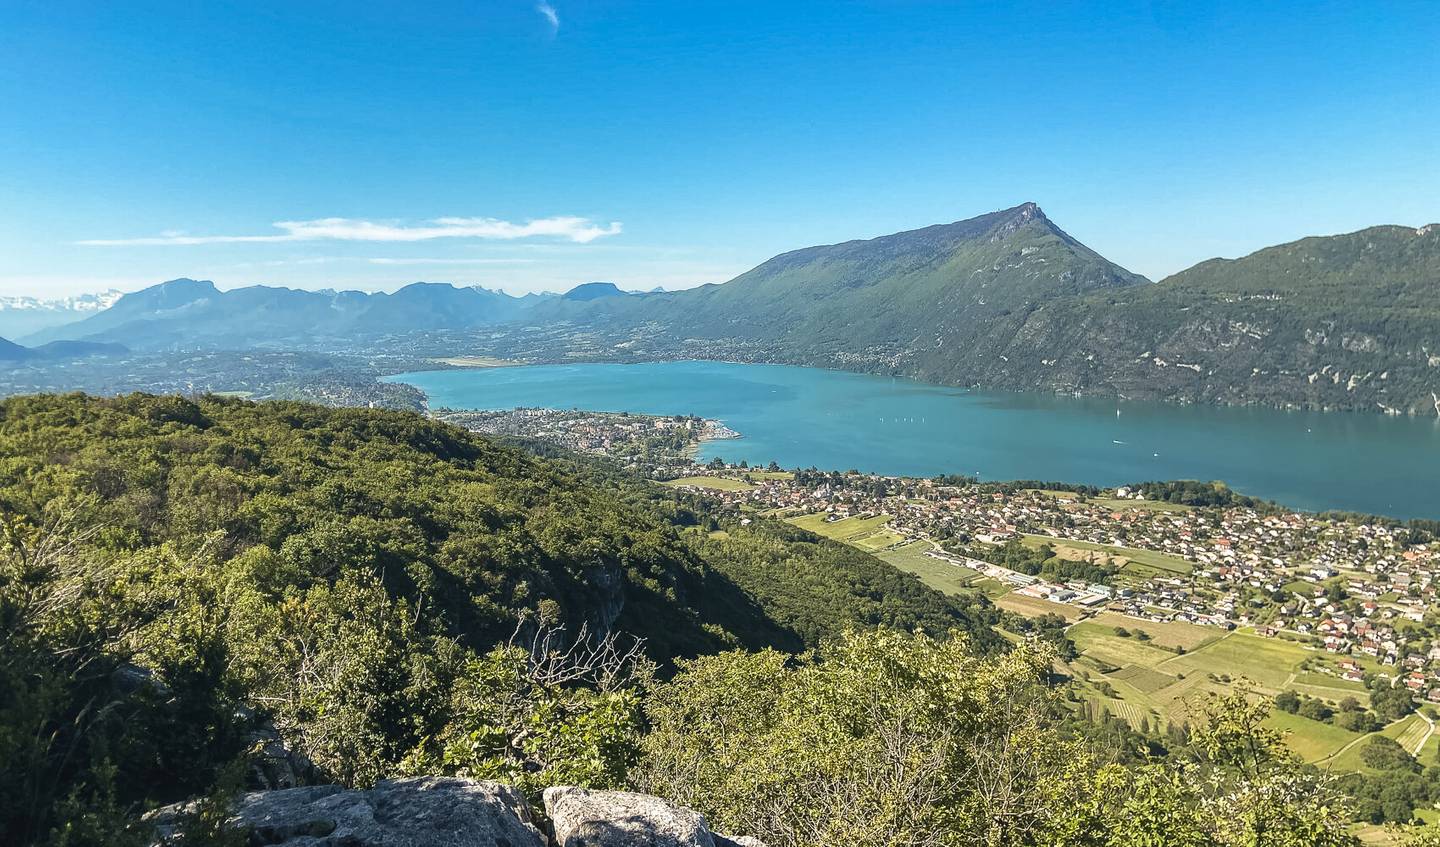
(1347, 321)
(942, 292)
(177, 574)
(1008, 300)
(202, 595)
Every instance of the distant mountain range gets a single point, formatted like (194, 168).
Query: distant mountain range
(187, 312)
(21, 316)
(1008, 300)
(12, 353)
(1004, 300)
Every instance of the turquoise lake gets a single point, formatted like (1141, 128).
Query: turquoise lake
(801, 417)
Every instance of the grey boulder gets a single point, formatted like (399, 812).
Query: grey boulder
(584, 818)
(418, 812)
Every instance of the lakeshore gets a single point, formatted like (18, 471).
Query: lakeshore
(810, 417)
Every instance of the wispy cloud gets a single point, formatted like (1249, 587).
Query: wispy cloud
(570, 228)
(429, 261)
(551, 16)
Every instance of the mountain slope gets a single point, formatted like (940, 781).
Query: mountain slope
(1008, 300)
(191, 313)
(593, 291)
(1348, 321)
(926, 301)
(55, 350)
(469, 531)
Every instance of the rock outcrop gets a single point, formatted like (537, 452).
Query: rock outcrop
(419, 812)
(451, 812)
(583, 818)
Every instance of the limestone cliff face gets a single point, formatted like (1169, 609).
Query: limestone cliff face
(452, 812)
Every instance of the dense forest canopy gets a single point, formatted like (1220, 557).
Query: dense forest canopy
(187, 585)
(200, 567)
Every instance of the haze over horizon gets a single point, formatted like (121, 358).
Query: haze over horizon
(531, 147)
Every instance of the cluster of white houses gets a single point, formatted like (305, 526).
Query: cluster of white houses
(1277, 571)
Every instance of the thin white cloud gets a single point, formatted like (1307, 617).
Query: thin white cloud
(429, 261)
(566, 227)
(551, 16)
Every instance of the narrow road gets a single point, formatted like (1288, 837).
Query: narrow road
(1428, 732)
(1421, 746)
(1339, 752)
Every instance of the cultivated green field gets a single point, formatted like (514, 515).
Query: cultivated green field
(1165, 634)
(1172, 565)
(717, 483)
(1143, 505)
(1057, 495)
(941, 576)
(869, 534)
(1267, 662)
(1328, 687)
(1112, 503)
(1314, 741)
(476, 362)
(1033, 607)
(1409, 732)
(1174, 686)
(1101, 642)
(770, 474)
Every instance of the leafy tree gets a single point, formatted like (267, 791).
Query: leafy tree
(1386, 754)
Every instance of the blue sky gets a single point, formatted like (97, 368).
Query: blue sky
(530, 146)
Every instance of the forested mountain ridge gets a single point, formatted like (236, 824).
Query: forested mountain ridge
(1009, 301)
(176, 575)
(474, 530)
(925, 291)
(1005, 300)
(1347, 321)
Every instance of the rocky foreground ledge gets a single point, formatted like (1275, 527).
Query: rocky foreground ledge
(449, 812)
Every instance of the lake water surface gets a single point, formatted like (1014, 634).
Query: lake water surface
(836, 420)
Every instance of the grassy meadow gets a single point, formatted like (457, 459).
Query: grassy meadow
(941, 576)
(1140, 563)
(715, 483)
(869, 534)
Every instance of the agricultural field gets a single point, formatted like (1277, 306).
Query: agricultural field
(1115, 505)
(1140, 563)
(1269, 663)
(763, 475)
(1409, 732)
(1100, 642)
(1033, 607)
(1313, 741)
(1170, 676)
(1055, 495)
(1328, 687)
(869, 534)
(941, 576)
(717, 483)
(475, 362)
(993, 588)
(1163, 633)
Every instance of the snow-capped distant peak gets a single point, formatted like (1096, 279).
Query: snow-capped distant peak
(86, 303)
